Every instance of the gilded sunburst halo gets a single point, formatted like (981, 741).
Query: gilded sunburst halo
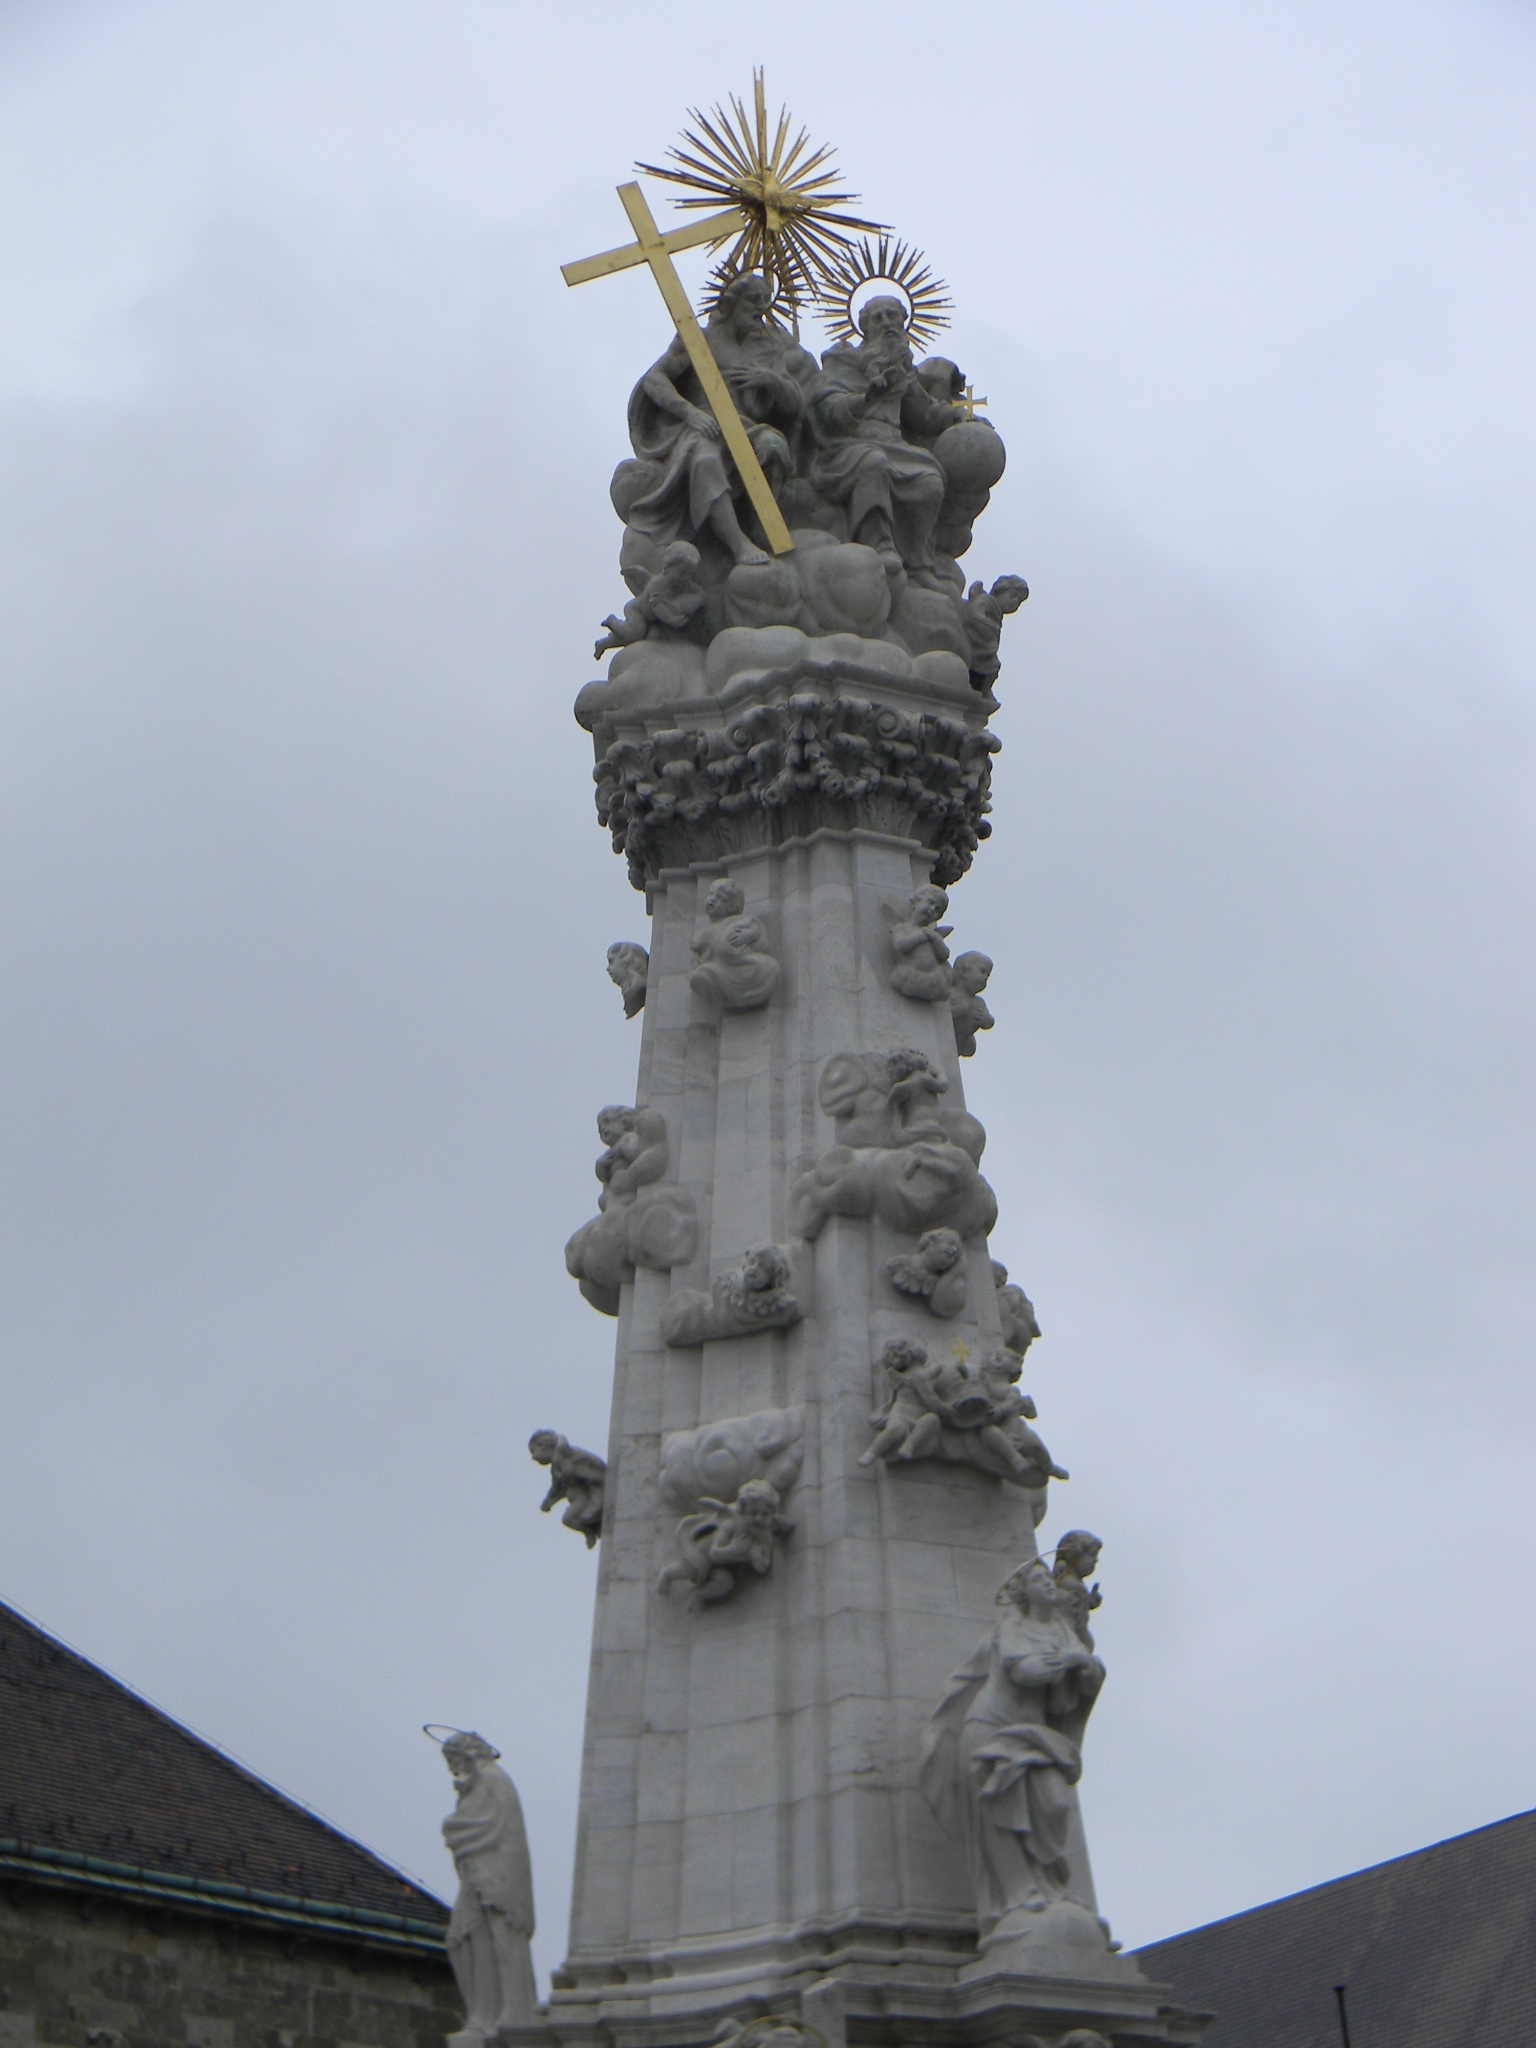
(797, 230)
(884, 262)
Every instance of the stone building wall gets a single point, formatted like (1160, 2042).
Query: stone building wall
(79, 1972)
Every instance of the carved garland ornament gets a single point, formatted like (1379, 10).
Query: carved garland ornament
(785, 769)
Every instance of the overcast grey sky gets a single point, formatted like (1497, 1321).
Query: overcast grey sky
(303, 1016)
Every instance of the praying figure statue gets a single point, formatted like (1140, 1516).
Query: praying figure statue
(969, 976)
(1001, 1759)
(576, 1477)
(735, 968)
(492, 1920)
(922, 968)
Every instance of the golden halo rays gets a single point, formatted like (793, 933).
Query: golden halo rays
(863, 263)
(796, 228)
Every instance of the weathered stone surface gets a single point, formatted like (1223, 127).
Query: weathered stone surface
(72, 1966)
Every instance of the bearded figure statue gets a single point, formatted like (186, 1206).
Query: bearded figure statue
(492, 1920)
(867, 402)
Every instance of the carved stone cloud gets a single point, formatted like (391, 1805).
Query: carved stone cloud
(720, 1457)
(900, 1156)
(639, 1223)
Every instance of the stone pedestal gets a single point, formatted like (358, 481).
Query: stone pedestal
(752, 1835)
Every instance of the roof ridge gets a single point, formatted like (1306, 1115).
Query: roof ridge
(99, 1674)
(1349, 1877)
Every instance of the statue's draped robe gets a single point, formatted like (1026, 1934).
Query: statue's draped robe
(869, 466)
(489, 1846)
(999, 1777)
(688, 468)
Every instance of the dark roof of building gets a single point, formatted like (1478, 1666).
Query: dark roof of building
(1435, 1950)
(100, 1790)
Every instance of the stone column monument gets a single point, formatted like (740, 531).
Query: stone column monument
(837, 1703)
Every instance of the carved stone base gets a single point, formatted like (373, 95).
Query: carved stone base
(865, 2002)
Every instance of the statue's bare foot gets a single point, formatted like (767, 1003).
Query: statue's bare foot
(750, 557)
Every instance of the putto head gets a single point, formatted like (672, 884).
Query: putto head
(763, 1268)
(1078, 1551)
(724, 900)
(901, 1355)
(972, 971)
(757, 1503)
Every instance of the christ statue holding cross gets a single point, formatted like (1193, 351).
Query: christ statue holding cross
(683, 483)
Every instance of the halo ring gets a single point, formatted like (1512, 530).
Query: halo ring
(897, 268)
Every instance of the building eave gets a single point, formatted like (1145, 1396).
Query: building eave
(279, 1912)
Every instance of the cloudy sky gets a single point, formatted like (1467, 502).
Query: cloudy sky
(303, 905)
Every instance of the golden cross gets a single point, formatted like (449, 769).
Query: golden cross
(960, 1351)
(969, 400)
(653, 247)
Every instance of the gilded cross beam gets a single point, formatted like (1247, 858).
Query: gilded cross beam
(653, 247)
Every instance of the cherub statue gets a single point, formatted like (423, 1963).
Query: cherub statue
(1077, 1554)
(1007, 1430)
(969, 976)
(913, 1086)
(981, 618)
(753, 1295)
(917, 940)
(724, 1538)
(576, 1477)
(639, 1222)
(948, 1411)
(735, 968)
(1015, 1311)
(628, 967)
(635, 1142)
(908, 1422)
(492, 1920)
(934, 1273)
(666, 607)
